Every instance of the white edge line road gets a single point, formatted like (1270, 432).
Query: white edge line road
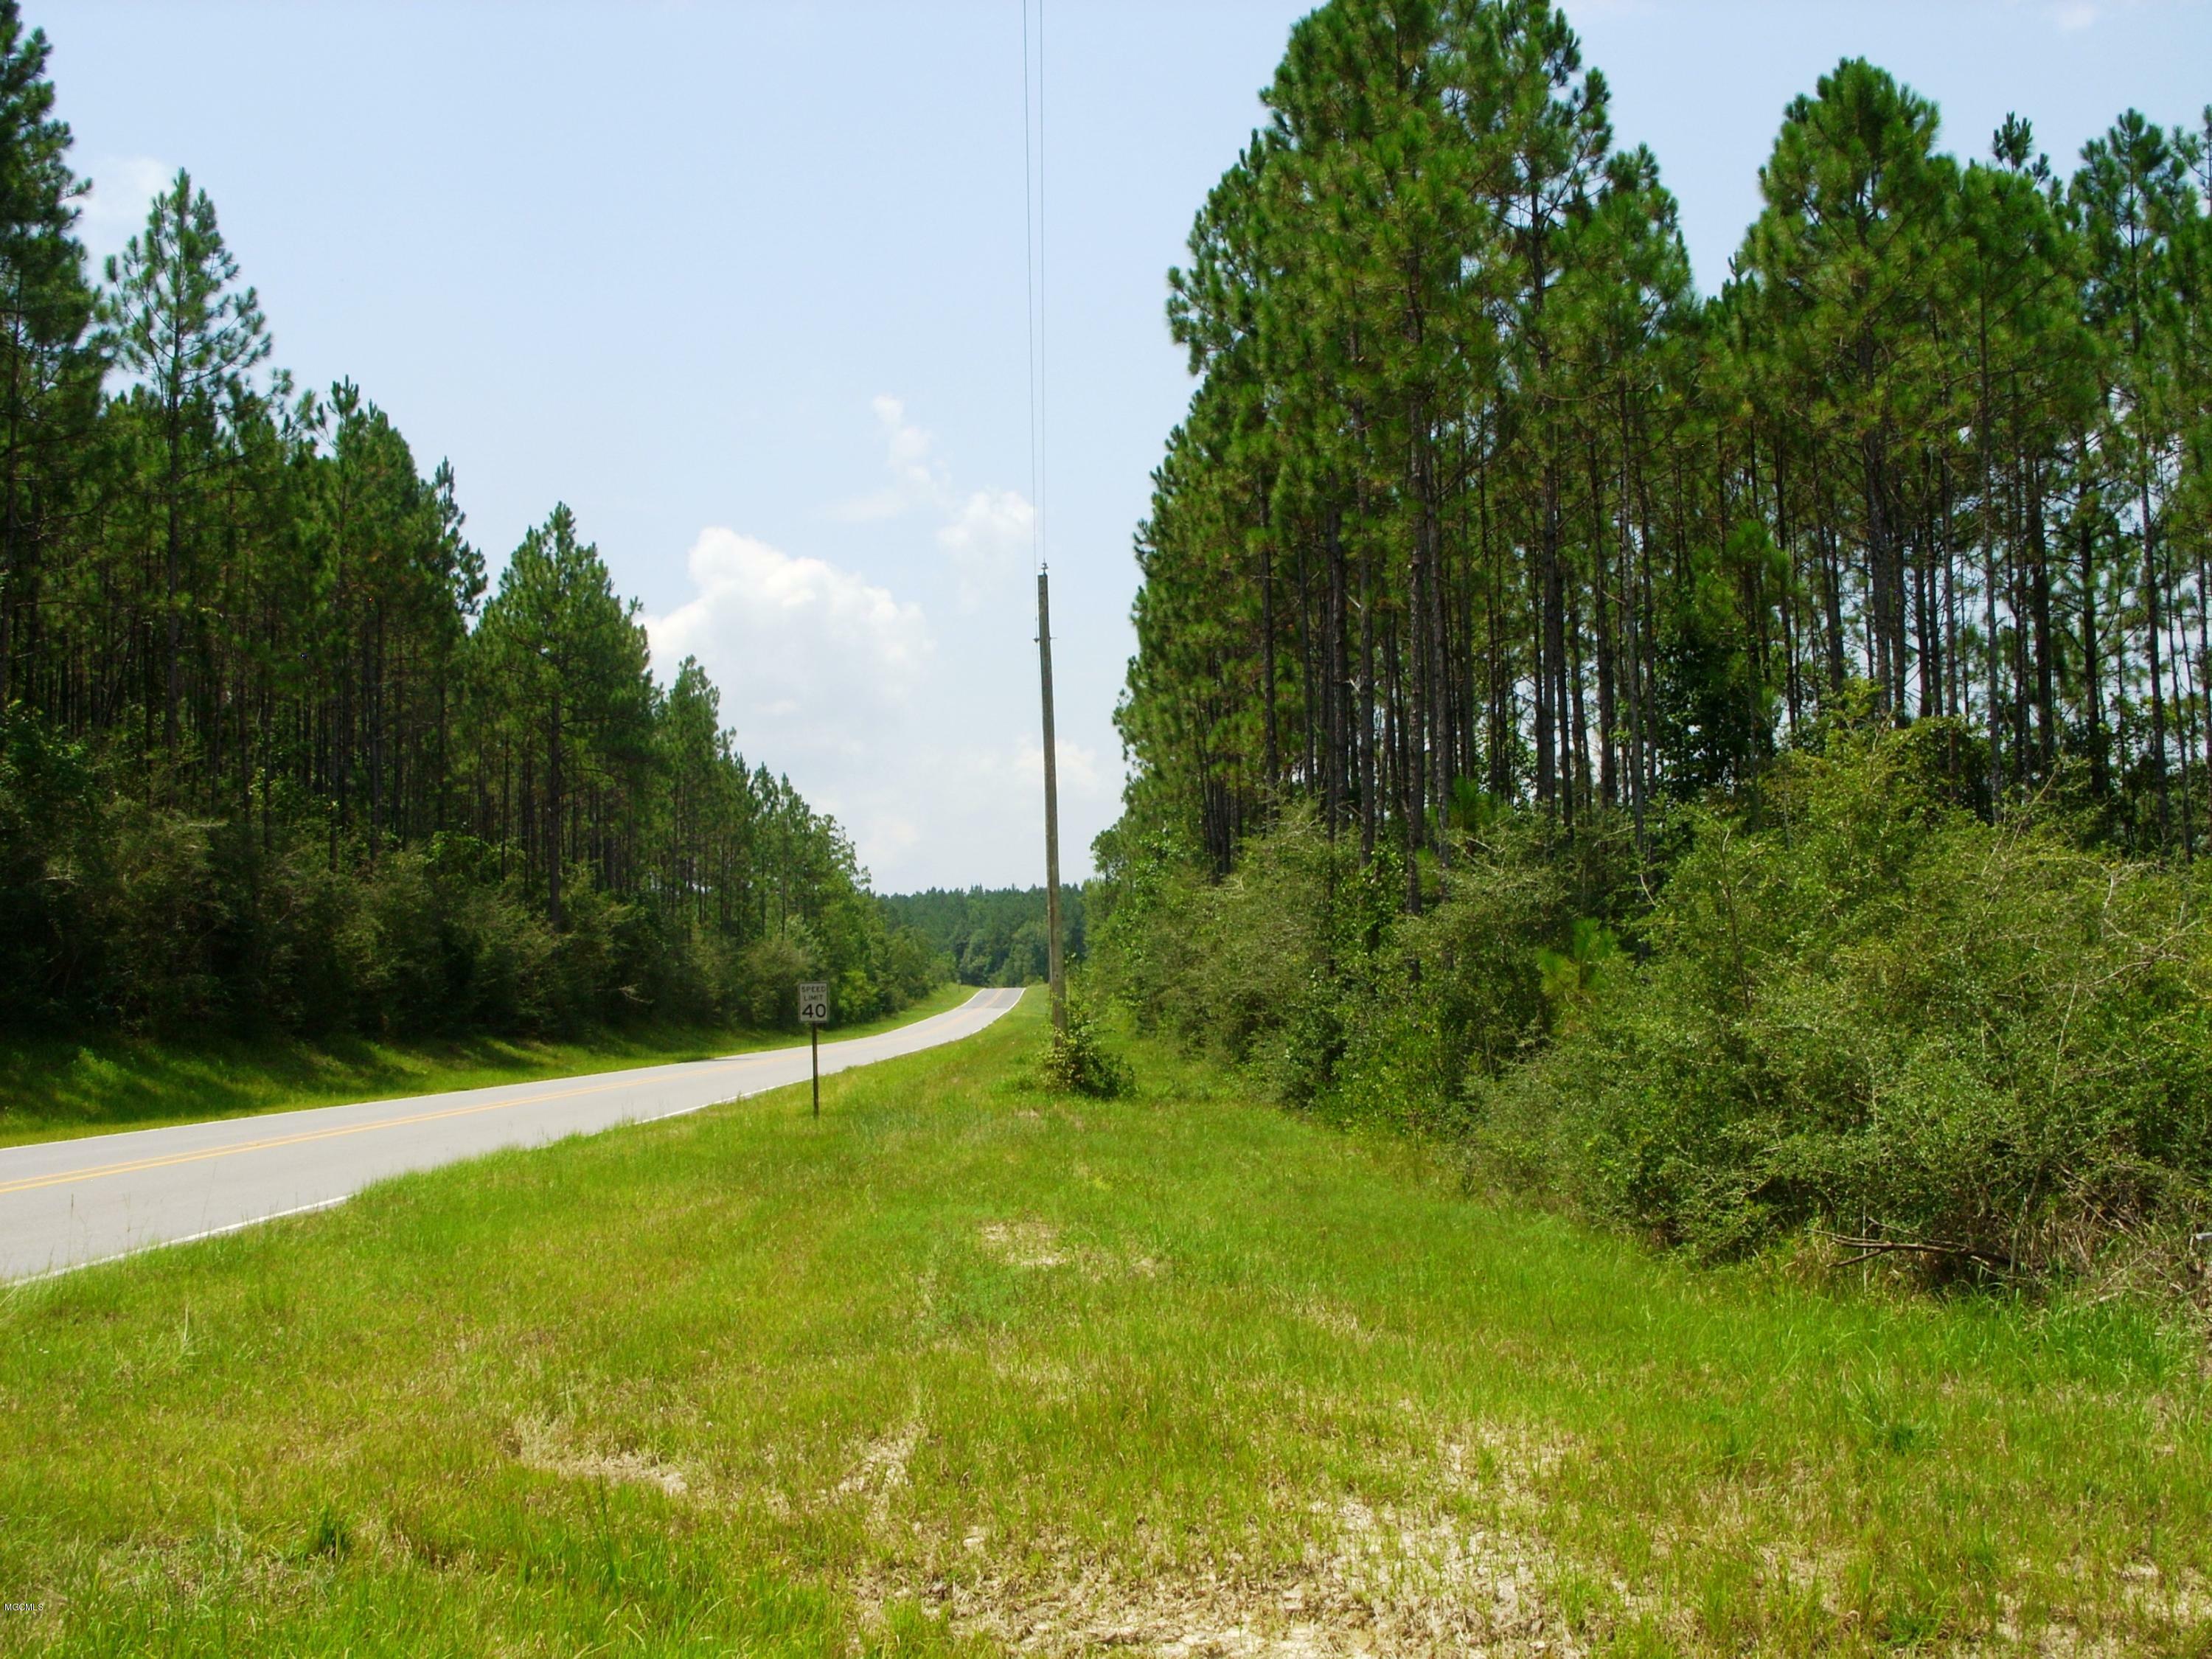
(70, 1204)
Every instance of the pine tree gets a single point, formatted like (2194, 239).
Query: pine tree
(176, 320)
(567, 662)
(49, 379)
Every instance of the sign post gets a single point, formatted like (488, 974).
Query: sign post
(814, 1014)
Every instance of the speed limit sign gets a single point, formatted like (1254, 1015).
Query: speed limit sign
(814, 1014)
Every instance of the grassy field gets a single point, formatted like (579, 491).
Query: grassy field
(965, 1368)
(50, 1089)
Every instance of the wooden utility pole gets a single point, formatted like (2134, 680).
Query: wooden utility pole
(1058, 972)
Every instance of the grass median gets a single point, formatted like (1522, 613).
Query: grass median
(967, 1368)
(53, 1088)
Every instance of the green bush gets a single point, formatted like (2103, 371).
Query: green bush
(1250, 968)
(1879, 1016)
(1078, 1061)
(1846, 1004)
(769, 971)
(1477, 983)
(1300, 966)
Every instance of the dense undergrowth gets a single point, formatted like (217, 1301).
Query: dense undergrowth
(119, 915)
(1846, 1009)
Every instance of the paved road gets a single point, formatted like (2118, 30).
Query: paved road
(65, 1203)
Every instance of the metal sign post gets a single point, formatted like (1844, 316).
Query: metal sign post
(814, 1013)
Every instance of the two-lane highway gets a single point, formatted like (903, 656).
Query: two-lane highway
(65, 1203)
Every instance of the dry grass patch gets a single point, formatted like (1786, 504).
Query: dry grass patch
(1458, 1567)
(1037, 1244)
(545, 1446)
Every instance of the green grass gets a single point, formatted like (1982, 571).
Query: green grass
(964, 1365)
(50, 1089)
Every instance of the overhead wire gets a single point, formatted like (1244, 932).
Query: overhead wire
(1033, 274)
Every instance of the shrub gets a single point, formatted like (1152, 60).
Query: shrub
(1252, 968)
(1880, 1016)
(1299, 965)
(1077, 1061)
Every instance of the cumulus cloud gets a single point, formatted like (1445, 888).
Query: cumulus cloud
(1080, 776)
(917, 729)
(983, 532)
(987, 537)
(917, 479)
(114, 209)
(810, 658)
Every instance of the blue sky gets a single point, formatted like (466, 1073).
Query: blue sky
(743, 284)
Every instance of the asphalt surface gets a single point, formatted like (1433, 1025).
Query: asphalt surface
(66, 1203)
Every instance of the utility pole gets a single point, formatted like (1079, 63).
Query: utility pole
(1058, 971)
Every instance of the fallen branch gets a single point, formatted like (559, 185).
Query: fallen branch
(1870, 1248)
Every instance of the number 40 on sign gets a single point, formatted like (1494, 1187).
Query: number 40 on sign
(814, 1014)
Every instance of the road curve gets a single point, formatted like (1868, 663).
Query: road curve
(67, 1203)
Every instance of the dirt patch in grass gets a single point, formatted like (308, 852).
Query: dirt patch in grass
(1024, 1244)
(1039, 1244)
(1376, 1582)
(881, 1471)
(543, 1446)
(1457, 1569)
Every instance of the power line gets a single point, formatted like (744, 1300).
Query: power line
(1033, 274)
(1033, 266)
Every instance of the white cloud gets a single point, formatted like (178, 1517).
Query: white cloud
(114, 211)
(987, 538)
(984, 533)
(916, 728)
(911, 458)
(811, 660)
(2073, 16)
(918, 479)
(960, 798)
(1080, 776)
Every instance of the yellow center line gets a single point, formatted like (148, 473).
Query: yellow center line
(136, 1165)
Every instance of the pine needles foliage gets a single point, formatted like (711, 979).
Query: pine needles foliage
(273, 752)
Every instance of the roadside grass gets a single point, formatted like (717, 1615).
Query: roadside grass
(53, 1088)
(967, 1367)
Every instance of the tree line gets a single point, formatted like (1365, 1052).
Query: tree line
(990, 936)
(1477, 502)
(272, 746)
(1733, 765)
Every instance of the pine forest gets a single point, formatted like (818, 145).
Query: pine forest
(1740, 759)
(271, 752)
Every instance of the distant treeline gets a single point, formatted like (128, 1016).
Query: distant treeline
(1740, 762)
(269, 752)
(993, 937)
